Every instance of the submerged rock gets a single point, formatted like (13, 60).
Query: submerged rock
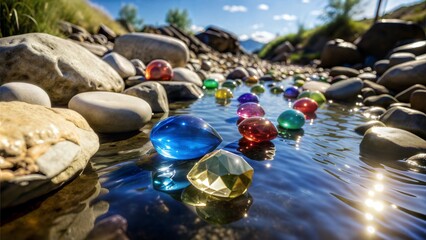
(59, 66)
(44, 148)
(391, 143)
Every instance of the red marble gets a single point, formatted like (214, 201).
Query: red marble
(159, 70)
(250, 109)
(305, 105)
(258, 129)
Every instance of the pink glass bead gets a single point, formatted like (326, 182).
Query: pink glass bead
(250, 109)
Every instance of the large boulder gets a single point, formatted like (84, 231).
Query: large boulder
(405, 118)
(338, 52)
(391, 143)
(387, 34)
(59, 66)
(403, 76)
(40, 149)
(147, 47)
(220, 40)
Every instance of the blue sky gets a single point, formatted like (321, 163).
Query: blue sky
(261, 20)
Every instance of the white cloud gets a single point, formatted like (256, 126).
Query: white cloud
(243, 37)
(305, 1)
(263, 7)
(262, 36)
(257, 26)
(234, 8)
(196, 28)
(285, 17)
(316, 12)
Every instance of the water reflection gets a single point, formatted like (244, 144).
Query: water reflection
(223, 102)
(217, 210)
(173, 177)
(290, 134)
(257, 150)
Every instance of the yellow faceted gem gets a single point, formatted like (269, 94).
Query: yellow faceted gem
(222, 174)
(224, 93)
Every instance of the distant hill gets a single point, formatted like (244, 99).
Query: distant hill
(251, 45)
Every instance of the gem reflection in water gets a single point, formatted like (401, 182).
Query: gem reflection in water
(172, 177)
(184, 137)
(248, 97)
(222, 174)
(159, 70)
(250, 109)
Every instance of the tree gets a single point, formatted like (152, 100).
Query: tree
(179, 18)
(340, 10)
(129, 14)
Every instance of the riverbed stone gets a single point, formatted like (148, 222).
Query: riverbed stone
(416, 48)
(338, 52)
(405, 75)
(349, 72)
(316, 86)
(139, 67)
(400, 57)
(148, 47)
(405, 118)
(238, 73)
(153, 93)
(181, 91)
(24, 92)
(378, 89)
(345, 89)
(217, 76)
(383, 100)
(108, 112)
(361, 129)
(391, 144)
(186, 75)
(418, 100)
(381, 66)
(405, 95)
(120, 64)
(367, 92)
(59, 66)
(368, 76)
(374, 112)
(46, 146)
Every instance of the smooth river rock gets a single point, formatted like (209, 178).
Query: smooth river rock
(45, 147)
(381, 66)
(181, 91)
(316, 86)
(401, 57)
(344, 90)
(403, 76)
(238, 73)
(416, 48)
(147, 47)
(153, 93)
(338, 52)
(185, 75)
(24, 92)
(109, 112)
(61, 67)
(378, 89)
(361, 129)
(418, 100)
(383, 100)
(120, 64)
(405, 95)
(405, 118)
(386, 143)
(348, 72)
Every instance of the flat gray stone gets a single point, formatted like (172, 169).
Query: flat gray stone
(120, 64)
(186, 75)
(388, 143)
(153, 93)
(316, 86)
(349, 72)
(112, 112)
(24, 92)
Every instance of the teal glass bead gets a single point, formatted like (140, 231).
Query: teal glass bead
(291, 119)
(211, 83)
(184, 137)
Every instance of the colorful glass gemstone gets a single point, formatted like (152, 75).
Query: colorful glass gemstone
(304, 94)
(257, 89)
(317, 96)
(305, 105)
(250, 109)
(248, 97)
(252, 79)
(184, 137)
(222, 174)
(224, 93)
(299, 83)
(159, 70)
(277, 89)
(291, 119)
(258, 129)
(211, 83)
(229, 84)
(291, 92)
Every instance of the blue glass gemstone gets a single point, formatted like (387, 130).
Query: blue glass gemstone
(248, 97)
(291, 92)
(184, 137)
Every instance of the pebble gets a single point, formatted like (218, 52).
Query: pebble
(24, 92)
